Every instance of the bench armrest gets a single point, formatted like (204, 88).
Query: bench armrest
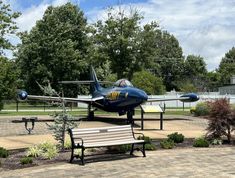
(137, 133)
(81, 140)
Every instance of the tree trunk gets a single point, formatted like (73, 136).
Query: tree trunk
(229, 134)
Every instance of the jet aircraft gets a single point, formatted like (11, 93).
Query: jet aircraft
(122, 97)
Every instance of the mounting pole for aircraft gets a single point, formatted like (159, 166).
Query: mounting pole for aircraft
(90, 113)
(161, 121)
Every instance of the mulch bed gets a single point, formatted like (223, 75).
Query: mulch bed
(13, 161)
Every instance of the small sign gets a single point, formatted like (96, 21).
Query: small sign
(151, 108)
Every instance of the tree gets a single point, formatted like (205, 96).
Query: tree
(117, 40)
(162, 54)
(195, 71)
(148, 82)
(7, 26)
(8, 79)
(187, 86)
(55, 49)
(62, 120)
(222, 120)
(227, 66)
(213, 81)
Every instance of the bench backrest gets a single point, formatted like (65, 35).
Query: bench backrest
(101, 134)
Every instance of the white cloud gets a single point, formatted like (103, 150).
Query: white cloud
(203, 28)
(29, 17)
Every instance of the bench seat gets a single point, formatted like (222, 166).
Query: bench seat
(82, 138)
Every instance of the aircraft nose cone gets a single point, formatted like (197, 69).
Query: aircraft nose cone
(23, 95)
(142, 95)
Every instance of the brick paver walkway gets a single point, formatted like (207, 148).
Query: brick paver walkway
(205, 163)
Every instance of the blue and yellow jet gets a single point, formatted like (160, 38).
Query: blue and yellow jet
(122, 97)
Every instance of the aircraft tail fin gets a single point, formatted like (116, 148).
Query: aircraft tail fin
(96, 85)
(93, 82)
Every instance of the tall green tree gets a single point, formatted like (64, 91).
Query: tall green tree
(7, 26)
(170, 58)
(213, 81)
(55, 49)
(162, 54)
(117, 40)
(8, 79)
(195, 72)
(227, 66)
(8, 72)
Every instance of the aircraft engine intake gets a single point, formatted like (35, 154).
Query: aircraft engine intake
(23, 95)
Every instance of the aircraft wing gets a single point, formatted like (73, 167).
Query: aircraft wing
(86, 82)
(190, 97)
(23, 96)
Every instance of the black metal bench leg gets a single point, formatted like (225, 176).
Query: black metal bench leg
(82, 156)
(144, 155)
(72, 155)
(132, 149)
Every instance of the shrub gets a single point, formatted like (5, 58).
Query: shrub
(50, 153)
(202, 109)
(167, 144)
(120, 148)
(222, 120)
(216, 142)
(145, 138)
(148, 143)
(26, 160)
(67, 144)
(46, 150)
(148, 82)
(34, 151)
(176, 137)
(3, 153)
(45, 146)
(192, 110)
(150, 146)
(201, 142)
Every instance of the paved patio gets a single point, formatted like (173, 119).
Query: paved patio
(14, 135)
(176, 163)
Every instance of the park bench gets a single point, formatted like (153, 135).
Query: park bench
(82, 138)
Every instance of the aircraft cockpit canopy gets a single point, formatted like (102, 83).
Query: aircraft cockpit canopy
(123, 83)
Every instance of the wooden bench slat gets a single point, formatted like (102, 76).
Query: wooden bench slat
(100, 128)
(100, 133)
(104, 140)
(105, 137)
(111, 143)
(103, 134)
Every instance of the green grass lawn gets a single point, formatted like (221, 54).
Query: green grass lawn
(79, 113)
(27, 106)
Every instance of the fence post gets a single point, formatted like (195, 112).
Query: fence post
(17, 106)
(44, 106)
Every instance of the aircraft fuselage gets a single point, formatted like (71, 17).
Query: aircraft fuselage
(119, 99)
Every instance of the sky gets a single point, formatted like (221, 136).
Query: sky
(203, 27)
